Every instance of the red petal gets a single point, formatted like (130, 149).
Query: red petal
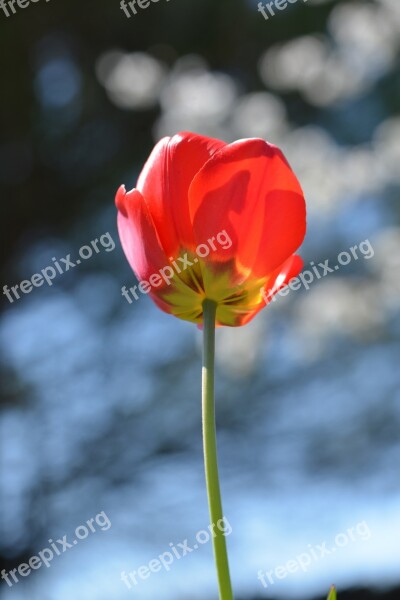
(249, 190)
(138, 235)
(282, 276)
(164, 183)
(278, 279)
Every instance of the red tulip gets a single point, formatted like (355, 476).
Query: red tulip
(213, 220)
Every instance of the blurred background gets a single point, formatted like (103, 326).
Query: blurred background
(100, 399)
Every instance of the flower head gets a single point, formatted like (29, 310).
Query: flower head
(216, 221)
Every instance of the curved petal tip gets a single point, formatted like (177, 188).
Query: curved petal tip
(120, 200)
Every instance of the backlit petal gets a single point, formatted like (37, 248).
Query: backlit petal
(164, 183)
(138, 235)
(249, 190)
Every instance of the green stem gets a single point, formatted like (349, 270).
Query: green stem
(210, 450)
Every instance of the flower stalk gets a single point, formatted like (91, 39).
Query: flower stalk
(210, 450)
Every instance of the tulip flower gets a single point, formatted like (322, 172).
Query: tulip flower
(210, 232)
(195, 192)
